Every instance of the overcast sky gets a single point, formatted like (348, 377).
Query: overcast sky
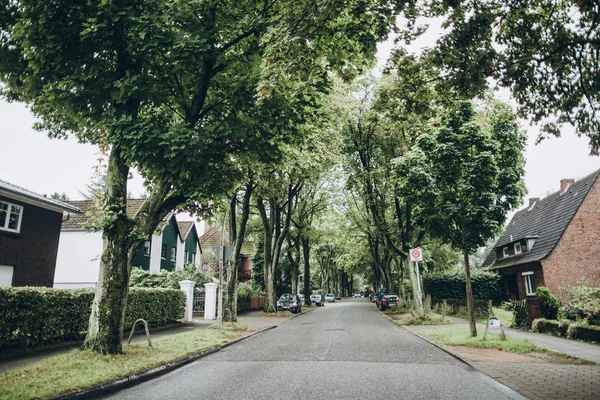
(31, 160)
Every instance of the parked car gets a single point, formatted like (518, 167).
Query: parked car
(316, 299)
(383, 300)
(372, 297)
(337, 296)
(357, 294)
(289, 301)
(330, 298)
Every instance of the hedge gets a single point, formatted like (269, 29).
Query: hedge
(32, 317)
(485, 286)
(481, 307)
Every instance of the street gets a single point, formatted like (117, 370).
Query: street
(345, 350)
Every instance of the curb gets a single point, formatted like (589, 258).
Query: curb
(151, 373)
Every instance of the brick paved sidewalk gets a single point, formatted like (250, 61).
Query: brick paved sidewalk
(539, 381)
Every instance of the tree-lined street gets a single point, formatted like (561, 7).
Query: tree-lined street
(345, 350)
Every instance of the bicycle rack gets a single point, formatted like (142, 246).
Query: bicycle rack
(147, 331)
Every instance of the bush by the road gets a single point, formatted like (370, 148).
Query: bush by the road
(485, 286)
(33, 316)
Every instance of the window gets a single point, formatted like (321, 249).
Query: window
(173, 254)
(505, 252)
(6, 275)
(10, 217)
(529, 283)
(193, 259)
(147, 248)
(186, 257)
(163, 251)
(517, 248)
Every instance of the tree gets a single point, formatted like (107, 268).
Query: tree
(173, 88)
(59, 196)
(545, 52)
(476, 178)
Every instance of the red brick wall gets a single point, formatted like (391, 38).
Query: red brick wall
(32, 251)
(577, 254)
(538, 276)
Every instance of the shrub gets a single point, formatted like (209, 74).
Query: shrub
(244, 296)
(548, 303)
(584, 305)
(485, 285)
(157, 306)
(521, 314)
(32, 317)
(168, 279)
(459, 306)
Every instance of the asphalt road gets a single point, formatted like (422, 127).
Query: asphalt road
(345, 350)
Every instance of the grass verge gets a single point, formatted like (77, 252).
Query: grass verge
(79, 370)
(460, 336)
(233, 326)
(429, 319)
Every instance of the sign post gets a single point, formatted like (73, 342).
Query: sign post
(416, 255)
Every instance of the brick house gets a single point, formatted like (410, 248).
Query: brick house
(29, 235)
(554, 242)
(211, 239)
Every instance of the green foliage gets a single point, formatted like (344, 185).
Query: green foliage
(521, 314)
(546, 52)
(548, 303)
(245, 292)
(33, 317)
(157, 306)
(168, 279)
(458, 307)
(486, 286)
(583, 304)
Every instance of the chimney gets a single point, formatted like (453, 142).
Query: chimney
(564, 184)
(532, 201)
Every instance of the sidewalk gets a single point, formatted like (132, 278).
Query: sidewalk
(573, 348)
(538, 379)
(253, 319)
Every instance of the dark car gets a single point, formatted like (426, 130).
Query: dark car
(289, 301)
(385, 300)
(337, 296)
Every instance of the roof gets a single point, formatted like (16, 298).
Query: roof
(185, 227)
(546, 220)
(212, 238)
(18, 193)
(77, 222)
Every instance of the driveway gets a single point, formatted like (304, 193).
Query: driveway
(345, 350)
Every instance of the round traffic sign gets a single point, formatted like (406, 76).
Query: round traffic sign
(416, 253)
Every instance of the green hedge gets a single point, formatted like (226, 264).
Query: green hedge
(485, 285)
(32, 317)
(459, 306)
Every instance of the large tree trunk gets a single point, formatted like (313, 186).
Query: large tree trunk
(237, 237)
(306, 259)
(108, 309)
(470, 308)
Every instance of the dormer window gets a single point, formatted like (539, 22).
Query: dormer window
(518, 248)
(505, 252)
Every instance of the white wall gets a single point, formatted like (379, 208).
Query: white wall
(78, 259)
(155, 249)
(180, 254)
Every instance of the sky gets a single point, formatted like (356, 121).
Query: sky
(31, 160)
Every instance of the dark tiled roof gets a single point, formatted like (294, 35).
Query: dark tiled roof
(185, 227)
(10, 190)
(77, 222)
(547, 220)
(212, 238)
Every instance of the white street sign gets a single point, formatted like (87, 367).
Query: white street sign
(416, 255)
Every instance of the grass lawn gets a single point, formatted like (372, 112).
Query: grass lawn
(461, 336)
(505, 316)
(430, 319)
(78, 370)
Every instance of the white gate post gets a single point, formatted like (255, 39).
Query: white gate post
(188, 289)
(210, 301)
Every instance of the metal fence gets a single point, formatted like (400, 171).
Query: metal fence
(199, 294)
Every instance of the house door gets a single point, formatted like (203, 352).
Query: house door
(511, 286)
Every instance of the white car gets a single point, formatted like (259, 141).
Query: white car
(316, 299)
(330, 297)
(357, 294)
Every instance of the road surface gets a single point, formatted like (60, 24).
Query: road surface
(345, 350)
